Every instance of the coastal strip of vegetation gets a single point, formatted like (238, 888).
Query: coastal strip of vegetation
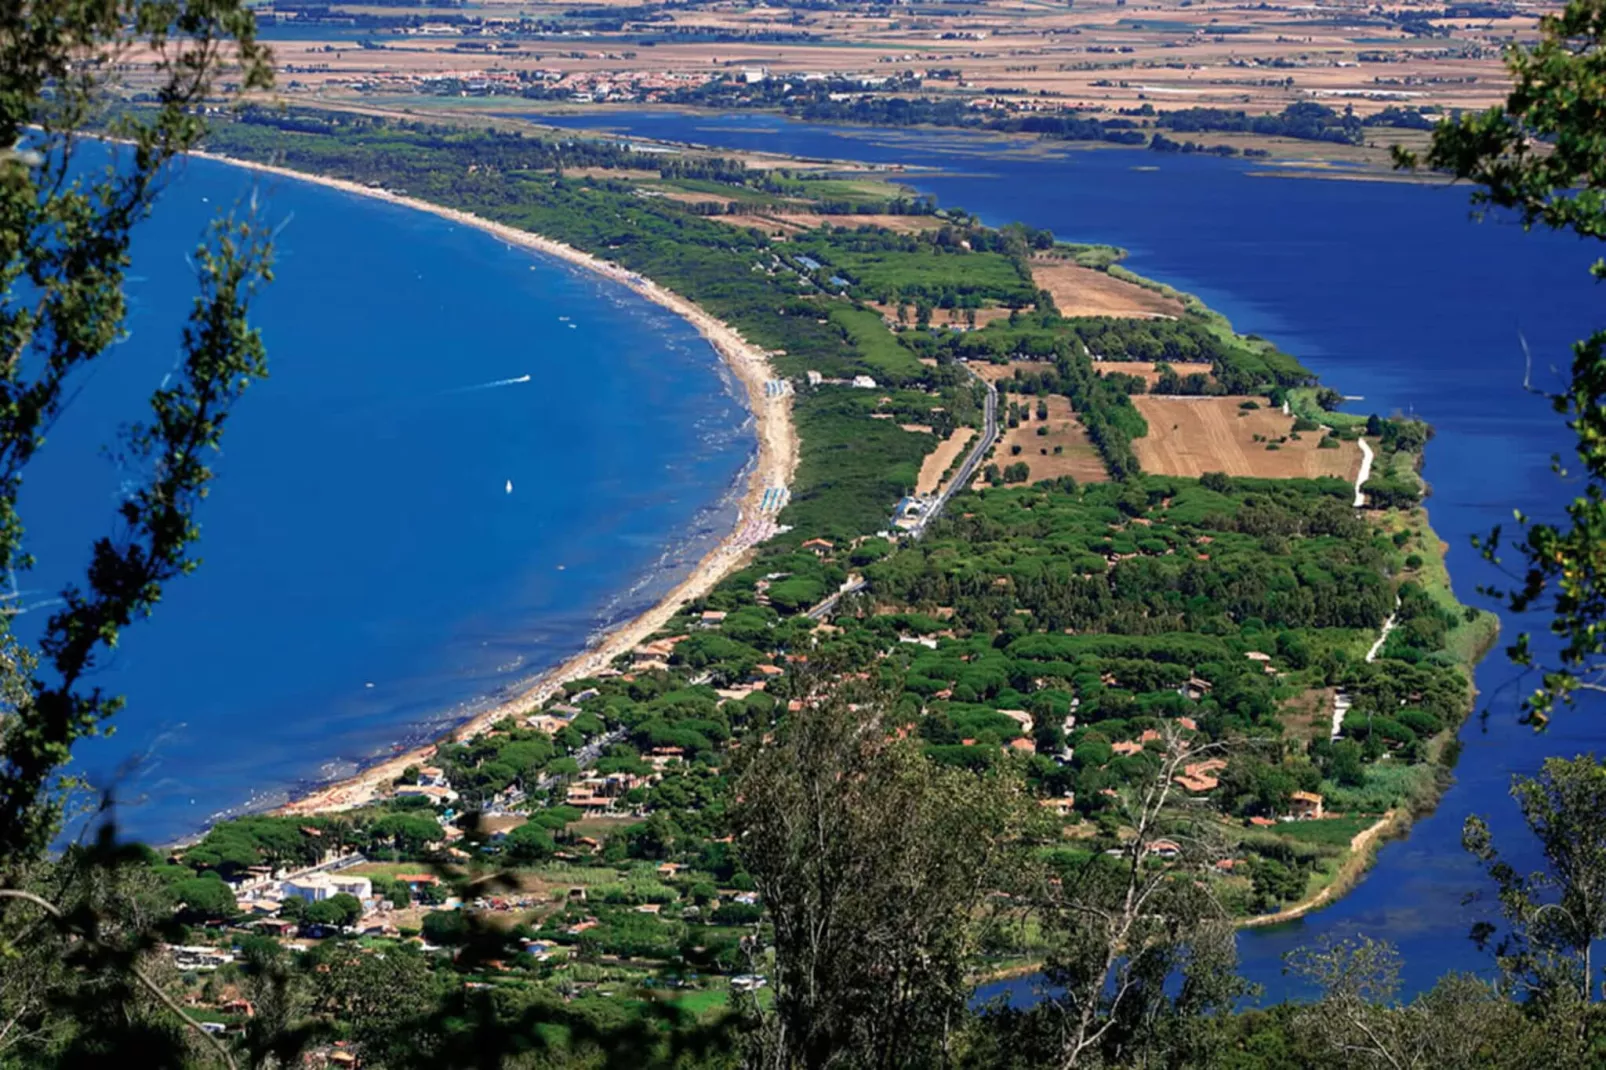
(1092, 639)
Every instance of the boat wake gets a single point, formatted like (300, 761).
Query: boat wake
(494, 383)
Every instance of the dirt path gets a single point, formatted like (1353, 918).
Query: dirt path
(1364, 474)
(1383, 637)
(1341, 704)
(1360, 857)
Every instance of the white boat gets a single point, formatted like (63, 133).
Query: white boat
(510, 486)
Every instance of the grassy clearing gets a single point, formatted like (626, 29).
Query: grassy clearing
(722, 190)
(840, 189)
(1333, 831)
(702, 1002)
(1098, 257)
(598, 827)
(888, 359)
(387, 869)
(1336, 876)
(1470, 639)
(1389, 785)
(1302, 402)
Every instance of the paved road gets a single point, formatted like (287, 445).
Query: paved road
(823, 610)
(967, 471)
(586, 755)
(962, 478)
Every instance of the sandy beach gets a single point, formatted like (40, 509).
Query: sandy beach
(777, 458)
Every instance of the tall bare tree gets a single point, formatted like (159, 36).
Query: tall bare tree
(1127, 925)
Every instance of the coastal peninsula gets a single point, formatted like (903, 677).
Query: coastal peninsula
(1168, 559)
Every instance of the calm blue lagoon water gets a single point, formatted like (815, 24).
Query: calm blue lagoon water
(1388, 291)
(367, 576)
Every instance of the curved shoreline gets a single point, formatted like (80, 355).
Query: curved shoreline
(775, 464)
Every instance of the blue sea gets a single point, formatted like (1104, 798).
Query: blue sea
(467, 460)
(1389, 291)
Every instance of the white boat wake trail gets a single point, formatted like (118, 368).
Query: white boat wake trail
(493, 383)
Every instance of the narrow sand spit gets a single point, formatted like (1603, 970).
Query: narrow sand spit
(777, 459)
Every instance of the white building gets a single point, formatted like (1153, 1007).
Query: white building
(313, 889)
(320, 886)
(200, 958)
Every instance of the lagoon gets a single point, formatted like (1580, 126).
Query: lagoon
(467, 460)
(1386, 290)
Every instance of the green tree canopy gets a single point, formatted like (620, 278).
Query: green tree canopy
(339, 910)
(205, 898)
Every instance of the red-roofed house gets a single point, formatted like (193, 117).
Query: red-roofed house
(1064, 805)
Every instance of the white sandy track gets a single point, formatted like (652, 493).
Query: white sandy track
(777, 459)
(1364, 474)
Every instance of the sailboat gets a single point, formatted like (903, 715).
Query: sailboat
(510, 486)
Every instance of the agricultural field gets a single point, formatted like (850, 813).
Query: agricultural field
(995, 373)
(1148, 370)
(1062, 449)
(1095, 58)
(1192, 436)
(1082, 291)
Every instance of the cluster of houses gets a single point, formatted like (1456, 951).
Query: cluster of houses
(265, 897)
(599, 87)
(598, 795)
(1198, 778)
(604, 794)
(655, 655)
(581, 86)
